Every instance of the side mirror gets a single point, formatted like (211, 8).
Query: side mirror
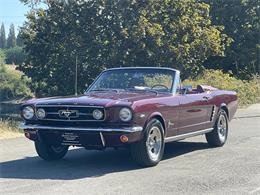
(86, 85)
(186, 88)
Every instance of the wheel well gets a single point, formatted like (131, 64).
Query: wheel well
(161, 120)
(225, 109)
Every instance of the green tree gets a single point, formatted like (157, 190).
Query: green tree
(13, 84)
(2, 57)
(2, 37)
(104, 34)
(11, 40)
(14, 55)
(19, 40)
(242, 23)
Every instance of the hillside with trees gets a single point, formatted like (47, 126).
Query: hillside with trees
(11, 46)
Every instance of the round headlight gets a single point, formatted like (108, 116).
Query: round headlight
(97, 114)
(125, 114)
(28, 112)
(41, 113)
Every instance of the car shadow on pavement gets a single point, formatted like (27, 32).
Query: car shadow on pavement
(79, 163)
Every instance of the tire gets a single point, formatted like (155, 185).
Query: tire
(218, 136)
(149, 151)
(48, 152)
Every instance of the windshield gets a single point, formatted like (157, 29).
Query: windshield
(157, 80)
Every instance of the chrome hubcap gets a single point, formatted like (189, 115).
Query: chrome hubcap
(222, 128)
(154, 143)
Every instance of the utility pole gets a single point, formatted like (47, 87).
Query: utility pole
(76, 76)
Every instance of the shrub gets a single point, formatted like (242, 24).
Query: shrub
(15, 55)
(2, 56)
(248, 91)
(13, 84)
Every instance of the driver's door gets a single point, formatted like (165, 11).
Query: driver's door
(194, 109)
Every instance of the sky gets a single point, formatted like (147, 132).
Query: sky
(12, 11)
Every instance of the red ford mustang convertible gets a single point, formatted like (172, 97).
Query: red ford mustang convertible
(138, 108)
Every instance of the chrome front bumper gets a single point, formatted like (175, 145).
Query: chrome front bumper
(43, 127)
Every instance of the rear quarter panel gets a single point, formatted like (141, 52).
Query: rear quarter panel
(228, 99)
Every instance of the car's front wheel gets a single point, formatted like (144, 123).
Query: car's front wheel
(48, 152)
(149, 151)
(218, 136)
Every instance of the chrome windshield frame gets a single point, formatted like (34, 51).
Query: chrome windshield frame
(176, 76)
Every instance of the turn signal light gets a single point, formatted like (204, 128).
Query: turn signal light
(124, 138)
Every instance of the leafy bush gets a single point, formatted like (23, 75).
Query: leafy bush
(13, 84)
(15, 55)
(2, 56)
(248, 91)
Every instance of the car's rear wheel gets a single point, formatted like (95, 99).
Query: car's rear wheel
(149, 151)
(49, 152)
(218, 136)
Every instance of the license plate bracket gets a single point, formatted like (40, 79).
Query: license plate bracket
(70, 138)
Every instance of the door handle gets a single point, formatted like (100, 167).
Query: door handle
(206, 98)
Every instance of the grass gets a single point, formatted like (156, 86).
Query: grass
(9, 129)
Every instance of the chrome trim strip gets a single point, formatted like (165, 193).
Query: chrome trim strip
(71, 120)
(42, 127)
(213, 113)
(102, 139)
(80, 113)
(172, 91)
(175, 82)
(187, 135)
(66, 105)
(202, 123)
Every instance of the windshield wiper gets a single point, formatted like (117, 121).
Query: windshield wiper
(143, 90)
(115, 90)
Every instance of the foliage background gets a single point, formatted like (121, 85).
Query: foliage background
(104, 34)
(248, 91)
(13, 84)
(191, 35)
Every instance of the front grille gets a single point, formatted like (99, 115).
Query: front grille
(70, 112)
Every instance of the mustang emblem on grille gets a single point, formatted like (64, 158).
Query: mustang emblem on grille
(68, 113)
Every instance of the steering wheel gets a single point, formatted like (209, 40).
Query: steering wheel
(159, 85)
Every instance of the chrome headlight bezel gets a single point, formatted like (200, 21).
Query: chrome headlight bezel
(97, 114)
(125, 114)
(40, 113)
(28, 112)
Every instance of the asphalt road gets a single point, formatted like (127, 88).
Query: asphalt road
(188, 167)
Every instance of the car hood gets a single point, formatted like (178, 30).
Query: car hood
(96, 98)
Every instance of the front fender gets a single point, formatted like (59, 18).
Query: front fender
(157, 115)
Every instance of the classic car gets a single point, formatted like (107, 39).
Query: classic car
(139, 108)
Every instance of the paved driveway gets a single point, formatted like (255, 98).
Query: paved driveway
(188, 167)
